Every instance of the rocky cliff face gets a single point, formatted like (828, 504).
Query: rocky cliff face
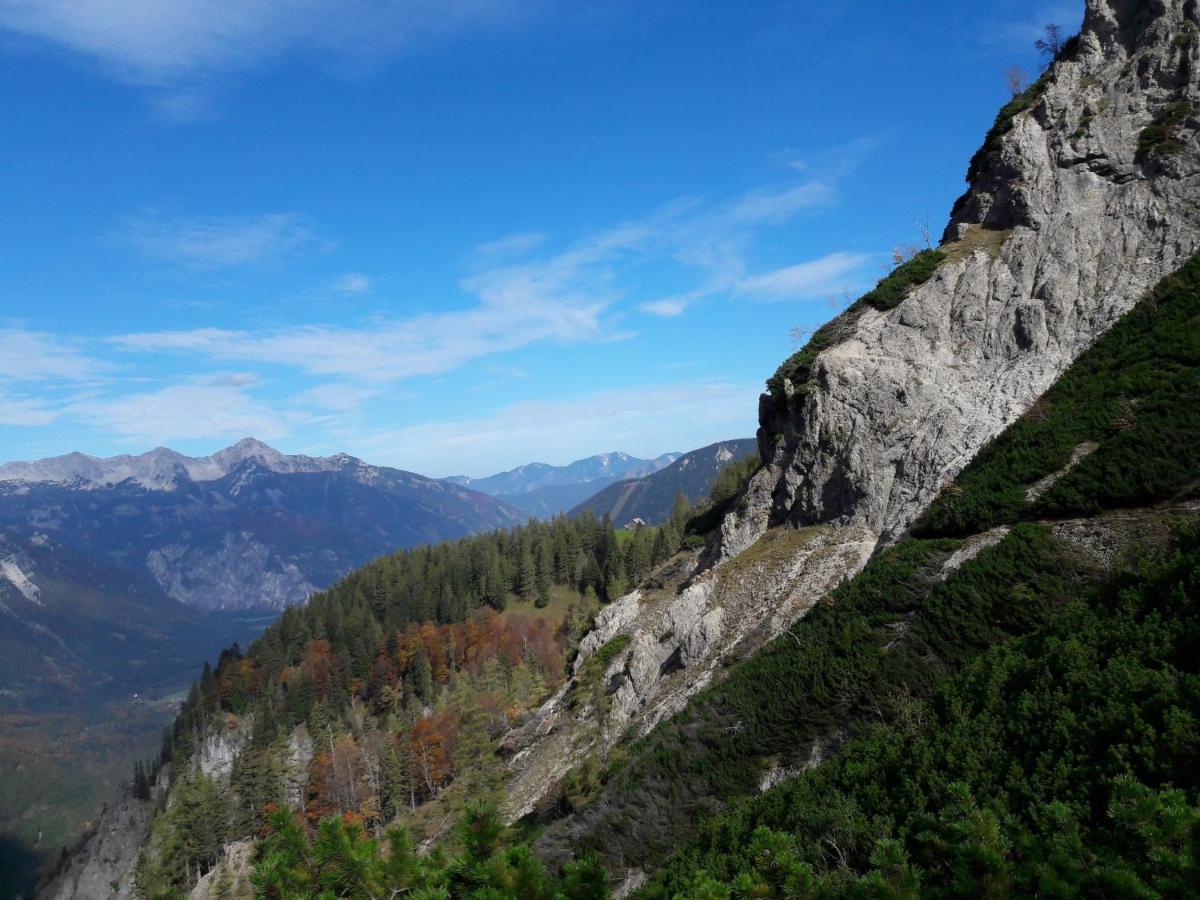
(105, 863)
(1068, 220)
(1070, 216)
(675, 635)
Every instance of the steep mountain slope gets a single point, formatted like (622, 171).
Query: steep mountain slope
(652, 497)
(119, 577)
(438, 649)
(1098, 477)
(862, 428)
(94, 660)
(245, 528)
(544, 490)
(1083, 196)
(75, 630)
(1072, 214)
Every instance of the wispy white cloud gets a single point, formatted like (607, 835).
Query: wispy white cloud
(37, 356)
(353, 283)
(217, 242)
(36, 369)
(507, 247)
(775, 206)
(231, 379)
(384, 351)
(183, 49)
(522, 297)
(815, 278)
(646, 421)
(164, 42)
(24, 411)
(335, 396)
(666, 308)
(181, 412)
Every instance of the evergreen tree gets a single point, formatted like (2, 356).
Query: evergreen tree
(141, 782)
(422, 677)
(681, 511)
(614, 577)
(527, 583)
(396, 782)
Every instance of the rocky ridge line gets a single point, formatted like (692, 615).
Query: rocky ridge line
(1066, 225)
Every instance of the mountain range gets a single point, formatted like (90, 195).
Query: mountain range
(119, 577)
(940, 641)
(544, 490)
(246, 528)
(651, 497)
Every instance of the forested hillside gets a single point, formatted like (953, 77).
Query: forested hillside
(1012, 710)
(979, 742)
(385, 696)
(939, 638)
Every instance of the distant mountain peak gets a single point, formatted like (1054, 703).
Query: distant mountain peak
(650, 496)
(163, 468)
(543, 490)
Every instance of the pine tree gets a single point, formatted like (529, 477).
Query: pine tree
(141, 782)
(396, 782)
(681, 512)
(662, 546)
(614, 578)
(527, 584)
(223, 886)
(421, 674)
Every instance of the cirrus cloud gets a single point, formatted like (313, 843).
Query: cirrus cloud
(814, 278)
(182, 412)
(156, 43)
(646, 421)
(217, 242)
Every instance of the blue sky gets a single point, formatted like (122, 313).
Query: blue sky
(458, 236)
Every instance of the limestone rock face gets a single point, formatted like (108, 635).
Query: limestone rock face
(106, 863)
(220, 748)
(230, 878)
(681, 633)
(1065, 226)
(105, 868)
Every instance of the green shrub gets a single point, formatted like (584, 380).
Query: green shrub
(1060, 764)
(840, 665)
(594, 666)
(989, 152)
(725, 490)
(1161, 137)
(797, 368)
(894, 287)
(1135, 392)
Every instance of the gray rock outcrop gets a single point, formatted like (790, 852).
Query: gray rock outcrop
(679, 636)
(105, 863)
(1068, 221)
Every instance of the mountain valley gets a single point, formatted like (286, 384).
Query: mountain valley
(932, 632)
